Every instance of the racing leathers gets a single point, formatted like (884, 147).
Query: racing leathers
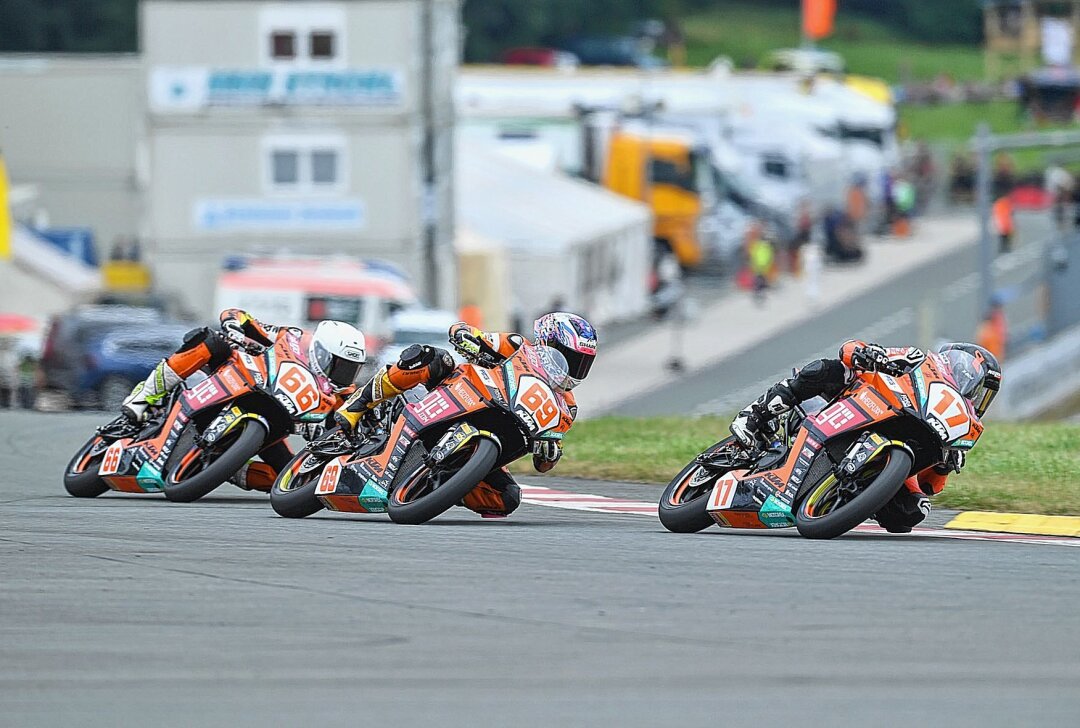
(828, 378)
(206, 348)
(498, 494)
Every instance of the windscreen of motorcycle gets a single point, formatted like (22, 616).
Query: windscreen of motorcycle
(536, 403)
(556, 369)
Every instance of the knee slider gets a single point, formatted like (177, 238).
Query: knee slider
(415, 356)
(219, 349)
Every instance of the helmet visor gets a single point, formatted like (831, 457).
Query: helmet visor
(970, 376)
(339, 370)
(578, 363)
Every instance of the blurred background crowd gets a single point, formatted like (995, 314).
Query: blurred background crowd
(404, 164)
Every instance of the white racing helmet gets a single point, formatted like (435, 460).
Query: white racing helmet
(337, 352)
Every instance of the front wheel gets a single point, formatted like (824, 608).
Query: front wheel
(196, 471)
(81, 477)
(682, 505)
(425, 492)
(293, 494)
(831, 508)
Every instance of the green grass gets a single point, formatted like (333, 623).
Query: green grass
(1027, 468)
(747, 33)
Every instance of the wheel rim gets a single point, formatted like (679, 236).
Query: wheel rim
(425, 480)
(692, 486)
(197, 459)
(832, 494)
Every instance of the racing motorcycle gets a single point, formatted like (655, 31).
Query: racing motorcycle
(204, 434)
(828, 472)
(415, 460)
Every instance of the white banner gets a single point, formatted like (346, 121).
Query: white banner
(191, 88)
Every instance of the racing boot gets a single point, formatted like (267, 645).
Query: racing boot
(750, 425)
(907, 509)
(255, 476)
(151, 392)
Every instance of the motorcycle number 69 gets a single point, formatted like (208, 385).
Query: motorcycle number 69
(536, 398)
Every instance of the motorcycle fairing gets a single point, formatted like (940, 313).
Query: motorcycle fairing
(469, 388)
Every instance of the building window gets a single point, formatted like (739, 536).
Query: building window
(283, 45)
(321, 45)
(324, 167)
(286, 168)
(305, 164)
(303, 34)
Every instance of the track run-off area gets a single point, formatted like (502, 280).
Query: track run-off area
(580, 609)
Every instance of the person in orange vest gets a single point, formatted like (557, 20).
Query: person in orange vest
(1002, 212)
(993, 332)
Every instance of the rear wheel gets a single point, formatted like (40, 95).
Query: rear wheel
(81, 477)
(424, 492)
(834, 506)
(293, 494)
(682, 505)
(194, 472)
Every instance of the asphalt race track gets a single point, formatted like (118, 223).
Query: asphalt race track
(127, 610)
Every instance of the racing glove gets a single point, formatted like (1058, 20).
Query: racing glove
(870, 358)
(546, 454)
(235, 335)
(955, 460)
(310, 431)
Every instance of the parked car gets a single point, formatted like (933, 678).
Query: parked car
(613, 51)
(92, 352)
(550, 57)
(122, 358)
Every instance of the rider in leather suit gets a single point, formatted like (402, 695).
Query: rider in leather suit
(828, 377)
(498, 494)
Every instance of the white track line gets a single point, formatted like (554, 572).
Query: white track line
(540, 496)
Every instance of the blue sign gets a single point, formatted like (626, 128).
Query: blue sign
(275, 215)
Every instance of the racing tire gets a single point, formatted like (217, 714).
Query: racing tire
(680, 513)
(81, 477)
(403, 509)
(864, 505)
(243, 447)
(293, 494)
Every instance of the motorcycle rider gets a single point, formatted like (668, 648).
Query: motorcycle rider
(498, 495)
(975, 370)
(335, 355)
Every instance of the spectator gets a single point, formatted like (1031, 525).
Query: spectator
(804, 227)
(993, 332)
(857, 204)
(1004, 223)
(904, 206)
(923, 173)
(841, 242)
(762, 258)
(1004, 175)
(962, 179)
(1059, 185)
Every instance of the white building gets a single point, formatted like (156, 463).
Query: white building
(316, 127)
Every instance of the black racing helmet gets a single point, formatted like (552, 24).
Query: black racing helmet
(975, 371)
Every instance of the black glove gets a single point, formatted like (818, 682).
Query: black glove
(870, 358)
(235, 335)
(546, 453)
(310, 431)
(954, 462)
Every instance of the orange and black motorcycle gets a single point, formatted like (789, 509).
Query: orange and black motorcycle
(202, 435)
(416, 460)
(826, 473)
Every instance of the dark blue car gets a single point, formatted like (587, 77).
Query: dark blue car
(116, 362)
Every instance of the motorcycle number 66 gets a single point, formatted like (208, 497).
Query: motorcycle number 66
(537, 400)
(299, 386)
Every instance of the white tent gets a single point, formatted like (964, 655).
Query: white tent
(567, 243)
